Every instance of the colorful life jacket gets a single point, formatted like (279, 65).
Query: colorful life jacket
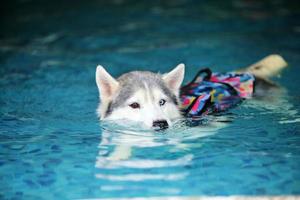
(215, 92)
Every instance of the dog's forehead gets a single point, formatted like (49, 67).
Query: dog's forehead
(134, 81)
(137, 77)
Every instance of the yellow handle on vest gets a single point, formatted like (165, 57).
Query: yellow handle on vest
(267, 67)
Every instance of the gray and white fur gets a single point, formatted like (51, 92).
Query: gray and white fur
(140, 96)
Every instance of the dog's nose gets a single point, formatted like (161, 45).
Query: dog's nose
(160, 124)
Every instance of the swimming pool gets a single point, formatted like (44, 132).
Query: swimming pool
(52, 144)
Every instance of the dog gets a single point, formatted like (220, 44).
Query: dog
(153, 99)
(140, 96)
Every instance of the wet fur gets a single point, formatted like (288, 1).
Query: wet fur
(142, 87)
(134, 81)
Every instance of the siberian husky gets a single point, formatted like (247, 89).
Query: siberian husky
(153, 99)
(140, 96)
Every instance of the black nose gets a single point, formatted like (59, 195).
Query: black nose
(160, 124)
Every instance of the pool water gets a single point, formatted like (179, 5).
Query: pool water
(52, 146)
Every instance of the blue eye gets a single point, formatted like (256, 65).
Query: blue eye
(162, 102)
(135, 105)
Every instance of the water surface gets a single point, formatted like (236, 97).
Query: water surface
(52, 145)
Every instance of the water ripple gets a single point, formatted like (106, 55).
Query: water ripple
(142, 177)
(103, 162)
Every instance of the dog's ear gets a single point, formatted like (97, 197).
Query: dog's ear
(174, 78)
(107, 85)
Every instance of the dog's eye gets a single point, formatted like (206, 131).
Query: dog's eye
(162, 102)
(135, 105)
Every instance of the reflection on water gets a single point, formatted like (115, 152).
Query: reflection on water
(126, 137)
(122, 147)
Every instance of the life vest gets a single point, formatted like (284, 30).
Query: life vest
(215, 92)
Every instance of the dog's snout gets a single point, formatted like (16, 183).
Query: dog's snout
(160, 124)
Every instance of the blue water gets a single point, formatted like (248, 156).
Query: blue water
(52, 145)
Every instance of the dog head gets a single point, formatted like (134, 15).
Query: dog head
(140, 96)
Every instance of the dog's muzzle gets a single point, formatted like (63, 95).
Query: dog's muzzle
(160, 125)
